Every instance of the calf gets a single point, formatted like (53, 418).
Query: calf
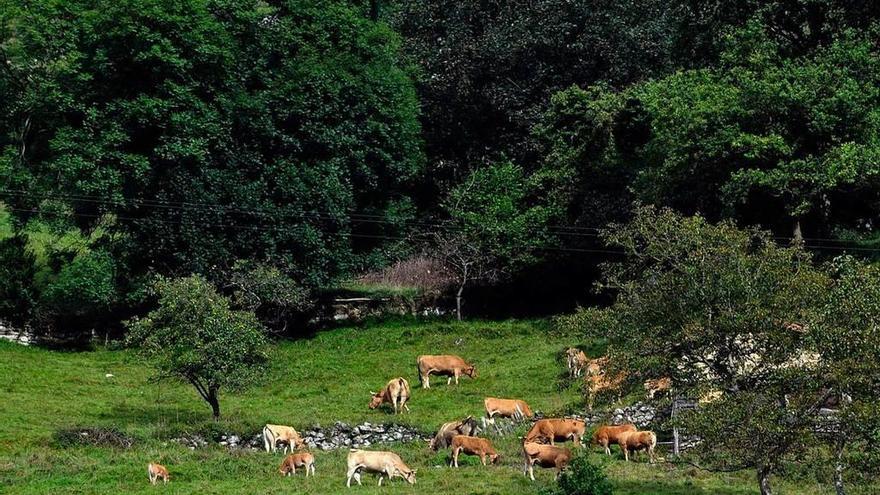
(576, 361)
(467, 426)
(156, 471)
(655, 386)
(505, 408)
(385, 463)
(444, 365)
(300, 459)
(396, 393)
(275, 434)
(608, 435)
(556, 429)
(473, 446)
(544, 456)
(633, 441)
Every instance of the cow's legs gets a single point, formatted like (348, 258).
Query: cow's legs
(608, 448)
(456, 373)
(651, 454)
(625, 454)
(380, 479)
(455, 452)
(404, 405)
(394, 404)
(532, 470)
(483, 458)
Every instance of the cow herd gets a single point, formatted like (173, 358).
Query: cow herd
(538, 445)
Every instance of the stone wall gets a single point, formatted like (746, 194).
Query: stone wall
(22, 337)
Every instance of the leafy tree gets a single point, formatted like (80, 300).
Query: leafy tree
(494, 227)
(268, 292)
(717, 308)
(193, 335)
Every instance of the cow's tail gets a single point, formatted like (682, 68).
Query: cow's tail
(653, 440)
(268, 438)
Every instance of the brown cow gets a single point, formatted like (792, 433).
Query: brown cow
(601, 382)
(156, 471)
(275, 434)
(557, 429)
(576, 361)
(544, 456)
(609, 435)
(633, 441)
(514, 409)
(385, 463)
(444, 365)
(473, 446)
(396, 393)
(300, 459)
(466, 426)
(655, 386)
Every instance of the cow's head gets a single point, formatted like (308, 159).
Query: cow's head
(410, 476)
(496, 458)
(471, 371)
(375, 400)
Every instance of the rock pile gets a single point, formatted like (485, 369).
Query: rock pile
(343, 435)
(22, 337)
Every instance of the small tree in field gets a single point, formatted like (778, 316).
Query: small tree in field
(717, 308)
(194, 335)
(493, 227)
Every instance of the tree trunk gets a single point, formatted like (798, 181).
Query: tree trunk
(458, 301)
(764, 480)
(214, 401)
(798, 234)
(838, 468)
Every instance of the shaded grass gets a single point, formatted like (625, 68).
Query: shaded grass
(315, 381)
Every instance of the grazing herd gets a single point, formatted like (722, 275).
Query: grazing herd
(538, 445)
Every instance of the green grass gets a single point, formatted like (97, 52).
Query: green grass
(319, 380)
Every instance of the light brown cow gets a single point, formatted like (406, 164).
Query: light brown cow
(385, 463)
(514, 409)
(633, 441)
(596, 366)
(156, 471)
(473, 446)
(444, 365)
(396, 393)
(546, 456)
(655, 386)
(556, 429)
(609, 435)
(576, 361)
(275, 434)
(300, 459)
(466, 426)
(602, 382)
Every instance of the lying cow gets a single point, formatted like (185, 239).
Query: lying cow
(473, 446)
(156, 471)
(396, 393)
(597, 383)
(514, 409)
(609, 435)
(275, 434)
(300, 459)
(656, 386)
(385, 463)
(576, 361)
(467, 426)
(633, 441)
(552, 430)
(546, 456)
(444, 365)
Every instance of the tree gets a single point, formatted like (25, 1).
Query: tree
(717, 308)
(494, 226)
(193, 335)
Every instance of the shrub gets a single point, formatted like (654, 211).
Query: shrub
(582, 477)
(94, 436)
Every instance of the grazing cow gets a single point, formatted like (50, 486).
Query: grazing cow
(514, 409)
(546, 456)
(444, 365)
(467, 426)
(556, 429)
(609, 435)
(596, 366)
(601, 382)
(633, 441)
(396, 393)
(300, 459)
(655, 386)
(576, 361)
(473, 446)
(385, 463)
(275, 434)
(156, 471)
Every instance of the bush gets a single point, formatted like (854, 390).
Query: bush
(582, 477)
(94, 436)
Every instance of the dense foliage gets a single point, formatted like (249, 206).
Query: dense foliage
(194, 336)
(581, 477)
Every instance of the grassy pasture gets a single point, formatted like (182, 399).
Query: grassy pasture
(313, 381)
